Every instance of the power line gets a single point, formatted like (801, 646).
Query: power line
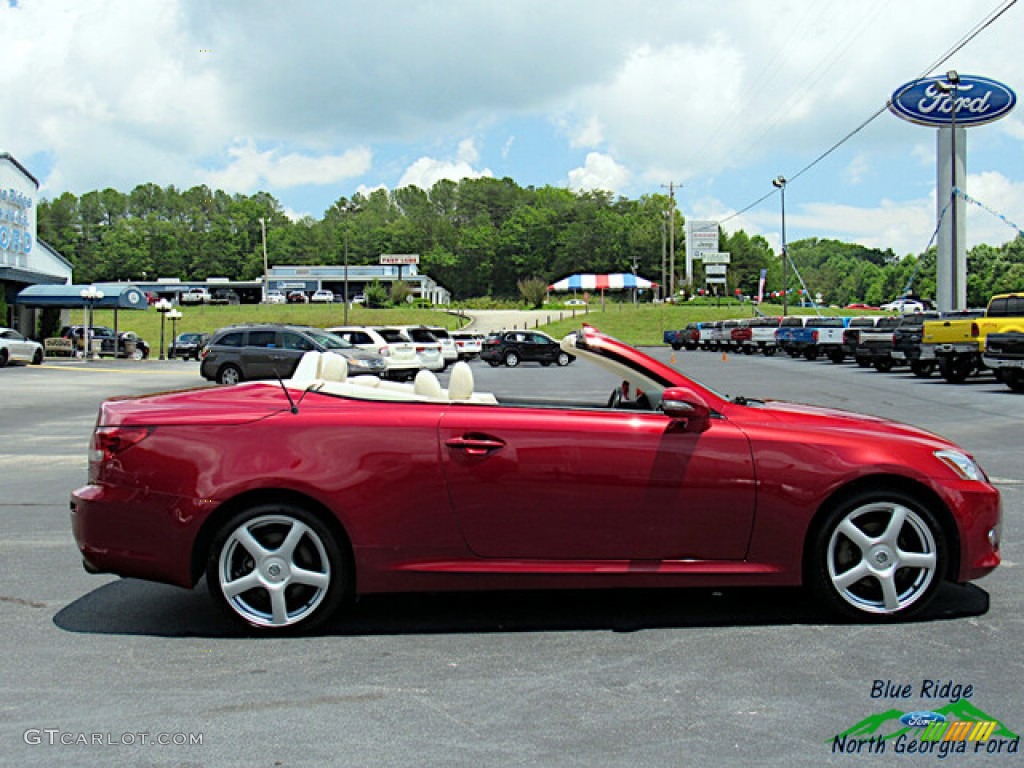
(978, 28)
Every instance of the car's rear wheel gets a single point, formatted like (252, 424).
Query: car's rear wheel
(494, 363)
(769, 351)
(956, 370)
(881, 554)
(563, 359)
(863, 362)
(276, 566)
(1014, 379)
(37, 357)
(837, 356)
(883, 365)
(229, 374)
(511, 359)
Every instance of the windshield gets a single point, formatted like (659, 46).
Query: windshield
(329, 340)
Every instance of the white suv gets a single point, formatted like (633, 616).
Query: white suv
(428, 348)
(399, 353)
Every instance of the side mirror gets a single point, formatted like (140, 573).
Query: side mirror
(686, 408)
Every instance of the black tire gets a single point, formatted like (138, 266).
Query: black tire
(546, 363)
(811, 354)
(677, 346)
(229, 374)
(837, 356)
(835, 557)
(747, 349)
(563, 359)
(956, 369)
(292, 541)
(37, 357)
(1013, 378)
(494, 363)
(511, 359)
(863, 362)
(4, 358)
(883, 365)
(769, 351)
(923, 369)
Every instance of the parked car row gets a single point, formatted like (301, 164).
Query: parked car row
(267, 350)
(956, 344)
(120, 344)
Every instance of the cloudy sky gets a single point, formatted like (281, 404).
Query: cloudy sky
(313, 100)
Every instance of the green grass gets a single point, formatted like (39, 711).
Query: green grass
(207, 319)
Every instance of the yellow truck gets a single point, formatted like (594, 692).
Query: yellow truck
(959, 345)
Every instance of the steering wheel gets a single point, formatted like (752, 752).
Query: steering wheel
(615, 399)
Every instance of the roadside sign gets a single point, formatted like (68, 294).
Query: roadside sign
(716, 258)
(716, 269)
(715, 280)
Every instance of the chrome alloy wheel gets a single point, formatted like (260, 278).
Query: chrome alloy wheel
(274, 570)
(882, 557)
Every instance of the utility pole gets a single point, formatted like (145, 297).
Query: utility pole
(671, 239)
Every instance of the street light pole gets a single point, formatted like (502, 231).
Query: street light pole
(780, 184)
(90, 295)
(163, 306)
(266, 275)
(346, 209)
(174, 316)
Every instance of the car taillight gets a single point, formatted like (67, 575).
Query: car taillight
(814, 337)
(108, 442)
(385, 352)
(975, 331)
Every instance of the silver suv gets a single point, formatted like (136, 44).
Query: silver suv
(266, 351)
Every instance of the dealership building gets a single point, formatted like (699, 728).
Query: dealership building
(25, 260)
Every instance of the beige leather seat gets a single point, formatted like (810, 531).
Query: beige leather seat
(333, 367)
(460, 383)
(426, 385)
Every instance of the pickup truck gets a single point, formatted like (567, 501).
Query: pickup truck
(906, 340)
(757, 335)
(959, 344)
(1004, 353)
(817, 336)
(785, 334)
(874, 345)
(687, 337)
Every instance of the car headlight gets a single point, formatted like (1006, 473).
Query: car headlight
(962, 464)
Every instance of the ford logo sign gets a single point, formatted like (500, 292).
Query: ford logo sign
(922, 719)
(978, 101)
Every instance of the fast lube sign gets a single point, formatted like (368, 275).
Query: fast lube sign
(17, 213)
(951, 103)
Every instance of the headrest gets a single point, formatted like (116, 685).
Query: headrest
(426, 385)
(333, 367)
(307, 369)
(460, 384)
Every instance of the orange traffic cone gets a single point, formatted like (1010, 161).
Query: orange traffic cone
(725, 357)
(672, 359)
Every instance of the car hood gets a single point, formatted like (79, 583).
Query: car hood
(781, 414)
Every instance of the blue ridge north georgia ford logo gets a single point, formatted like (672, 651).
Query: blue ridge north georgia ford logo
(928, 101)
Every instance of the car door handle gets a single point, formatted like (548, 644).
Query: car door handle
(475, 445)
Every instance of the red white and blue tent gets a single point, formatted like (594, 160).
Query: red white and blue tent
(613, 282)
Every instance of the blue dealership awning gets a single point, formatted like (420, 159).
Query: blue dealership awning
(70, 297)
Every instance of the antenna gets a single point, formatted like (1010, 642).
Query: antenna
(294, 408)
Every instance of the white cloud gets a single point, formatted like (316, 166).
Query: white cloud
(251, 168)
(600, 172)
(427, 171)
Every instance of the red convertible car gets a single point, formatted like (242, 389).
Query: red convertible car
(293, 496)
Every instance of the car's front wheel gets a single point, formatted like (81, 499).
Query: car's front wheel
(563, 359)
(276, 566)
(229, 374)
(4, 357)
(881, 554)
(37, 357)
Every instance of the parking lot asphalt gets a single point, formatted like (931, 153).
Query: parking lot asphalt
(97, 670)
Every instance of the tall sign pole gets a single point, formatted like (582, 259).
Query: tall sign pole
(951, 103)
(672, 240)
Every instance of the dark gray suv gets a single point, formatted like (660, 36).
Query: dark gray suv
(246, 352)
